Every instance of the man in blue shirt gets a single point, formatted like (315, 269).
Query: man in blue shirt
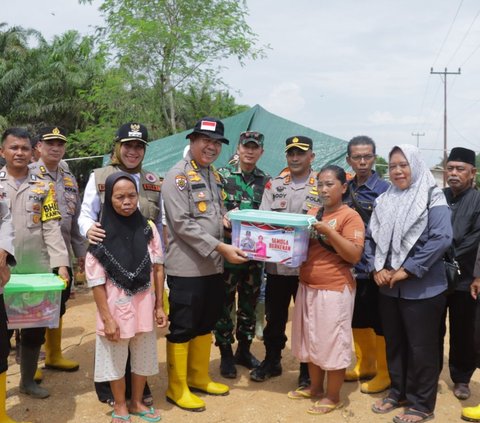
(369, 342)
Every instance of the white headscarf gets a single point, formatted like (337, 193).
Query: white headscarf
(401, 216)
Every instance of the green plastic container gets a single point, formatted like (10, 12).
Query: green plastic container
(272, 236)
(33, 300)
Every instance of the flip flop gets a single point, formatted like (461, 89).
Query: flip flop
(122, 418)
(425, 417)
(300, 393)
(387, 401)
(144, 415)
(329, 408)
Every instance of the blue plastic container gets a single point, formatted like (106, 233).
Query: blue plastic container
(272, 236)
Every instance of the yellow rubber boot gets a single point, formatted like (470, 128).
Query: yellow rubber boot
(53, 352)
(3, 396)
(365, 368)
(471, 414)
(178, 392)
(198, 362)
(381, 381)
(38, 377)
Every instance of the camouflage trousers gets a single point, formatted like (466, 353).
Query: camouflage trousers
(245, 281)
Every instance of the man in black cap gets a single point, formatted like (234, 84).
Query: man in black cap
(464, 202)
(129, 150)
(293, 191)
(193, 199)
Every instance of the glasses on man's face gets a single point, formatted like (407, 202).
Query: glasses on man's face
(365, 157)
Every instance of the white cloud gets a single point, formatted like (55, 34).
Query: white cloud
(285, 99)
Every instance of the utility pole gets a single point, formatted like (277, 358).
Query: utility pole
(445, 73)
(418, 135)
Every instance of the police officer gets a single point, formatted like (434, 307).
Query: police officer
(368, 338)
(244, 184)
(51, 145)
(129, 150)
(293, 191)
(194, 264)
(6, 260)
(38, 242)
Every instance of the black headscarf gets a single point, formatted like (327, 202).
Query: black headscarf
(124, 251)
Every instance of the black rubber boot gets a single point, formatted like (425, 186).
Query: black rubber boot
(270, 367)
(227, 362)
(28, 366)
(303, 377)
(243, 356)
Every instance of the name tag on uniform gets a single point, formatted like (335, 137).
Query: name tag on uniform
(151, 187)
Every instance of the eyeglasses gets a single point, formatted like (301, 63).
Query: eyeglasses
(366, 157)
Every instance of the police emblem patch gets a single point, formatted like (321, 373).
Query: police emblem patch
(150, 177)
(202, 207)
(180, 182)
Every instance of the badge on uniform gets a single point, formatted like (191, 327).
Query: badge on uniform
(194, 176)
(150, 177)
(201, 194)
(311, 181)
(180, 182)
(314, 191)
(36, 218)
(202, 207)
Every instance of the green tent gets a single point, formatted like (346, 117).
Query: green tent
(162, 154)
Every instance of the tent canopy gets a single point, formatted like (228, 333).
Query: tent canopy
(162, 154)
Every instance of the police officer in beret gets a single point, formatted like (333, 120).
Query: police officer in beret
(51, 142)
(38, 242)
(293, 191)
(194, 264)
(128, 153)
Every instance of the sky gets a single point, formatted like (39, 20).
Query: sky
(344, 67)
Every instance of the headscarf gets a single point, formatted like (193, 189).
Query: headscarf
(117, 161)
(124, 251)
(401, 216)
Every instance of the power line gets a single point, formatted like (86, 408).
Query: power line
(464, 37)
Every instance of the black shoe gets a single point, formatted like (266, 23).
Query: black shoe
(303, 377)
(227, 362)
(266, 370)
(243, 357)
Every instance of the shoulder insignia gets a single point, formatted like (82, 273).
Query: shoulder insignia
(43, 169)
(224, 195)
(3, 174)
(150, 177)
(311, 181)
(152, 187)
(217, 176)
(181, 181)
(194, 164)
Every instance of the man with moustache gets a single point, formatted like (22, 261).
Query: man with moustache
(464, 202)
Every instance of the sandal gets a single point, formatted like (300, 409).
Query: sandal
(380, 409)
(424, 417)
(316, 408)
(120, 418)
(300, 393)
(144, 415)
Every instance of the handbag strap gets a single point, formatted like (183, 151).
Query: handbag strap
(319, 238)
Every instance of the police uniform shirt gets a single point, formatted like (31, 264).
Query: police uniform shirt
(39, 245)
(6, 234)
(194, 213)
(281, 195)
(68, 198)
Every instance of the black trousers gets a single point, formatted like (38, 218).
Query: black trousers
(461, 316)
(196, 304)
(411, 329)
(279, 292)
(366, 313)
(4, 338)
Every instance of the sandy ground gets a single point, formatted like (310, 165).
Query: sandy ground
(73, 398)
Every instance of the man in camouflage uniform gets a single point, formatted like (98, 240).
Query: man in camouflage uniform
(244, 183)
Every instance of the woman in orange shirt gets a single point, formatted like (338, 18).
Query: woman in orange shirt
(321, 330)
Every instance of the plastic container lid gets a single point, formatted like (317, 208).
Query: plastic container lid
(34, 282)
(272, 218)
